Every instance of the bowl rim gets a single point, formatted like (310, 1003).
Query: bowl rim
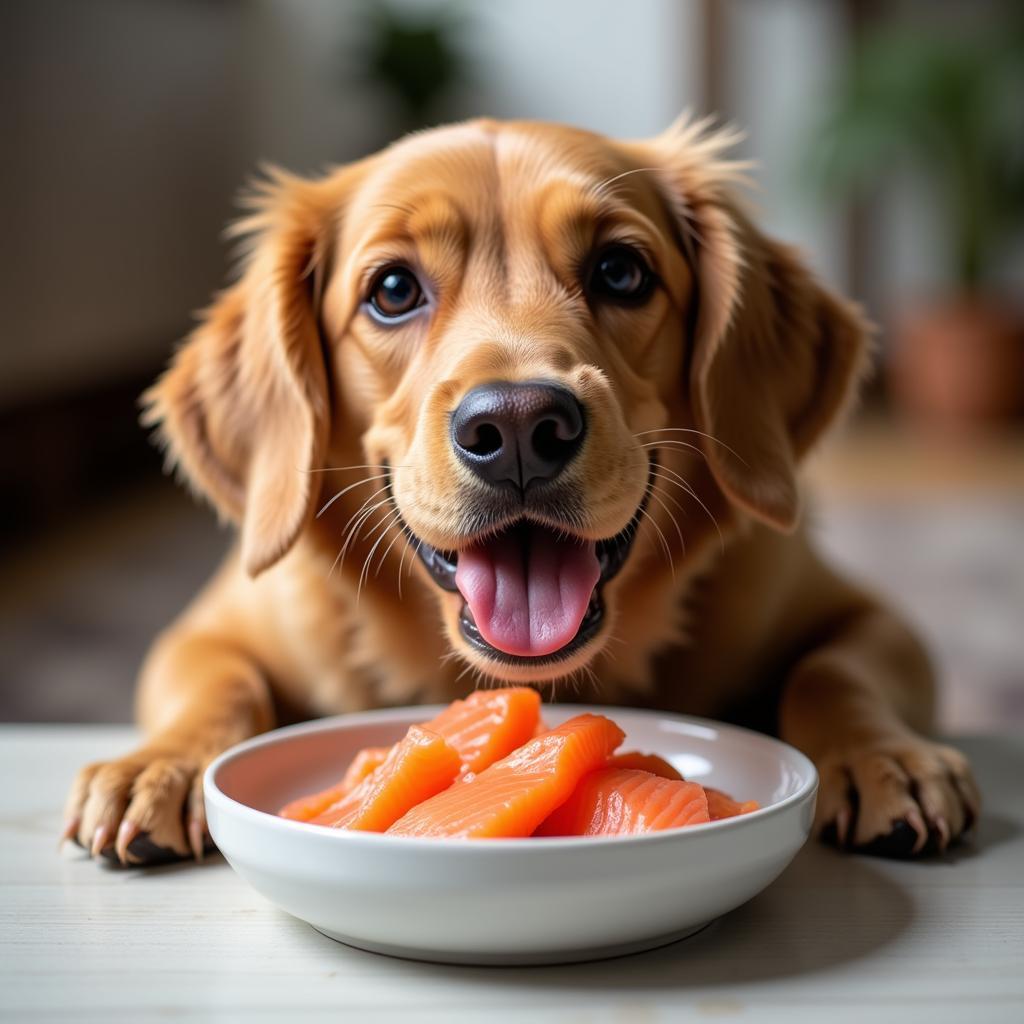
(215, 795)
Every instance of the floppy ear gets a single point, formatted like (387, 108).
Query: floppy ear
(243, 408)
(774, 358)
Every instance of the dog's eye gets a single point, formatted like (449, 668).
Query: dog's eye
(621, 274)
(394, 293)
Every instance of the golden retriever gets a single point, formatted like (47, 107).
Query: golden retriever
(514, 402)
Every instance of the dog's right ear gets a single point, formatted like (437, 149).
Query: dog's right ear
(775, 358)
(243, 409)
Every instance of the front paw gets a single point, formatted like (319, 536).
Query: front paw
(146, 808)
(895, 798)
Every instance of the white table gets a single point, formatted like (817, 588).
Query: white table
(834, 939)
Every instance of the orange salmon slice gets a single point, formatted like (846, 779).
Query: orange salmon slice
(514, 795)
(721, 805)
(363, 764)
(483, 728)
(489, 724)
(624, 801)
(645, 763)
(415, 769)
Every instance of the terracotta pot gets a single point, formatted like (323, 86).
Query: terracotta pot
(959, 362)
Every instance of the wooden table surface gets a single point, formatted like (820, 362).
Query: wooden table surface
(834, 939)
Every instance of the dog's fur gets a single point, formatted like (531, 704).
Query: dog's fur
(289, 395)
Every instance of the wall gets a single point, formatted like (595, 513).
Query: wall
(780, 56)
(134, 122)
(126, 138)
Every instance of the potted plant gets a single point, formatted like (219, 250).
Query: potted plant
(415, 56)
(949, 110)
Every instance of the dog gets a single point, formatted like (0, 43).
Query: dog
(510, 403)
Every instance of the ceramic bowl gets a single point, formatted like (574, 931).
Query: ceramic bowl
(509, 901)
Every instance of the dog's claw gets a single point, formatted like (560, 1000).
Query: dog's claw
(70, 830)
(916, 822)
(126, 833)
(99, 840)
(195, 838)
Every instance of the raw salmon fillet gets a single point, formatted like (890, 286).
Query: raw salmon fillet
(645, 763)
(623, 801)
(721, 805)
(307, 807)
(482, 729)
(514, 795)
(488, 724)
(419, 766)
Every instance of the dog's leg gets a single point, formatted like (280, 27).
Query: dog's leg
(857, 704)
(198, 695)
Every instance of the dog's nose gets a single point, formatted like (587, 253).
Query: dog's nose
(518, 433)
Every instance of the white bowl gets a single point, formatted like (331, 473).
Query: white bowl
(509, 901)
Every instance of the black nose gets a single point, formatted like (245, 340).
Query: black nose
(518, 433)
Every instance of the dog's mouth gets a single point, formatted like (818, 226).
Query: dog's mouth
(531, 593)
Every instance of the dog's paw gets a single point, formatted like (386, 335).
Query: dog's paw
(146, 808)
(900, 798)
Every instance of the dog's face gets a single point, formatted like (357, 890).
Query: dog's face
(498, 322)
(544, 347)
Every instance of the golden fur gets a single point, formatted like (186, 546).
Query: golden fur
(288, 398)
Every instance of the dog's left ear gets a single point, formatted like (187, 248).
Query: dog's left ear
(243, 408)
(774, 358)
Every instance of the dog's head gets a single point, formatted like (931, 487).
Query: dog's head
(537, 354)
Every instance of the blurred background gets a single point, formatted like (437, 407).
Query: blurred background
(890, 140)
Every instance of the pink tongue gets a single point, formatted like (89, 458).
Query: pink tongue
(527, 589)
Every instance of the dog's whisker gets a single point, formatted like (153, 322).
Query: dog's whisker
(664, 542)
(575, 682)
(357, 526)
(699, 433)
(401, 564)
(418, 549)
(358, 518)
(383, 558)
(480, 678)
(381, 522)
(341, 469)
(364, 573)
(684, 485)
(571, 681)
(552, 694)
(676, 444)
(468, 668)
(679, 482)
(693, 494)
(585, 670)
(672, 473)
(668, 480)
(577, 675)
(345, 490)
(672, 520)
(348, 522)
(382, 527)
(678, 479)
